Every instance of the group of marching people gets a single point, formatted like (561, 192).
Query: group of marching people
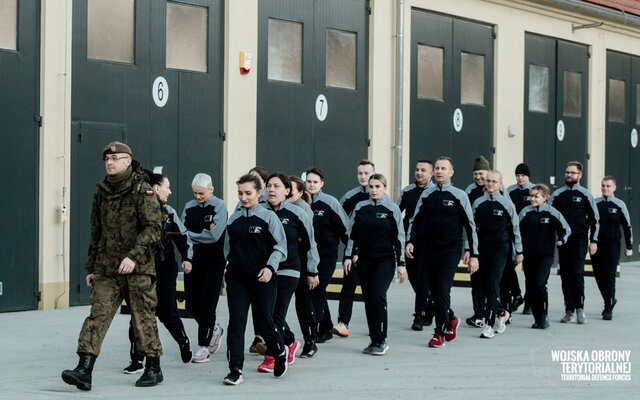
(499, 230)
(282, 239)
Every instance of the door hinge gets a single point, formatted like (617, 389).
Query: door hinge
(38, 295)
(79, 137)
(588, 156)
(38, 120)
(368, 9)
(368, 142)
(223, 135)
(493, 149)
(494, 34)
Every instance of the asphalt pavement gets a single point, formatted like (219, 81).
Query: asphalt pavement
(569, 361)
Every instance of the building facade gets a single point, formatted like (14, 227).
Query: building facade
(218, 86)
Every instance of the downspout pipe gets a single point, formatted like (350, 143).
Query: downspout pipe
(399, 106)
(595, 11)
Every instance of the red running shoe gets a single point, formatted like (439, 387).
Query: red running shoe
(437, 340)
(450, 334)
(293, 347)
(267, 365)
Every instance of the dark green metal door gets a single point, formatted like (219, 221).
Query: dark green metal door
(89, 139)
(166, 107)
(186, 134)
(556, 104)
(622, 155)
(539, 108)
(19, 108)
(571, 107)
(451, 90)
(312, 87)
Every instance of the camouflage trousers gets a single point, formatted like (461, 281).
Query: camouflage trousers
(139, 291)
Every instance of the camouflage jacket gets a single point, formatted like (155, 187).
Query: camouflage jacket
(126, 221)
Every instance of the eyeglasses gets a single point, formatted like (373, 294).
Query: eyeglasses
(114, 158)
(571, 173)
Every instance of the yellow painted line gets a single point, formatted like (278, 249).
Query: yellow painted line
(462, 277)
(336, 288)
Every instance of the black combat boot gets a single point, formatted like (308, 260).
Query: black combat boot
(80, 376)
(152, 374)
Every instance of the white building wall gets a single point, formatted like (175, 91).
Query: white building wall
(55, 149)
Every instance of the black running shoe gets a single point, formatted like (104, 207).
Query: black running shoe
(233, 378)
(185, 352)
(325, 337)
(133, 368)
(281, 365)
(417, 323)
(475, 321)
(517, 302)
(309, 350)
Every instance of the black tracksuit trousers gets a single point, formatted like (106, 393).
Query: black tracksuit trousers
(536, 272)
(347, 294)
(375, 278)
(167, 308)
(243, 292)
(491, 265)
(605, 263)
(571, 257)
(441, 265)
(305, 309)
(326, 267)
(419, 280)
(286, 288)
(202, 291)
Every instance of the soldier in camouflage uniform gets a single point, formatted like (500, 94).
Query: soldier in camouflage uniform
(126, 224)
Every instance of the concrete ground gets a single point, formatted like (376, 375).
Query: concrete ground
(35, 346)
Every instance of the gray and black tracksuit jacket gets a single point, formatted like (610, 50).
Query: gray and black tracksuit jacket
(298, 229)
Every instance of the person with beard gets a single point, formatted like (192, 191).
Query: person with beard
(442, 214)
(510, 293)
(126, 226)
(423, 305)
(475, 191)
(576, 205)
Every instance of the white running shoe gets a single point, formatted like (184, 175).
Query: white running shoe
(201, 355)
(216, 339)
(487, 332)
(501, 322)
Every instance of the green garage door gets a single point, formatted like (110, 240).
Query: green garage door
(451, 90)
(622, 156)
(312, 87)
(555, 107)
(19, 98)
(154, 81)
